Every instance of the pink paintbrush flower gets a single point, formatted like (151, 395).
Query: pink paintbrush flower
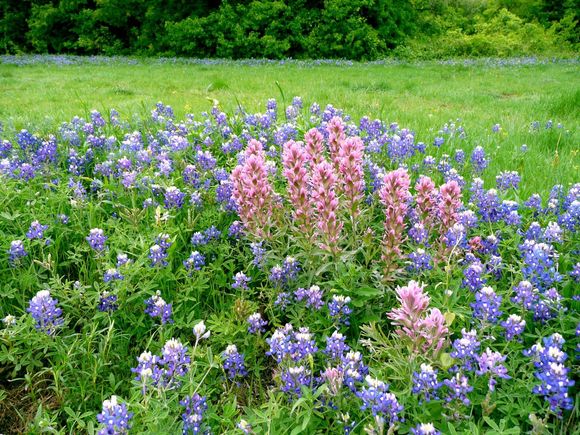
(314, 146)
(394, 195)
(294, 159)
(252, 191)
(350, 153)
(325, 202)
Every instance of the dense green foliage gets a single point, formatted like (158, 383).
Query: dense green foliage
(354, 29)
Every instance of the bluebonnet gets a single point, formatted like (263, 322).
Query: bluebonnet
(375, 396)
(468, 218)
(338, 307)
(258, 251)
(174, 198)
(16, 251)
(336, 346)
(212, 233)
(534, 202)
(552, 373)
(234, 362)
(241, 281)
(293, 378)
(122, 259)
(108, 302)
(490, 362)
(281, 343)
(199, 239)
(283, 300)
(575, 273)
(507, 180)
(156, 306)
(490, 207)
(257, 325)
(459, 157)
(458, 388)
(420, 261)
(514, 325)
(425, 383)
(474, 278)
(195, 261)
(486, 305)
(192, 418)
(479, 160)
(465, 348)
(97, 239)
(553, 233)
(353, 368)
(112, 274)
(540, 263)
(236, 230)
(548, 306)
(115, 418)
(312, 296)
(425, 429)
(419, 234)
(36, 230)
(43, 309)
(456, 236)
(303, 345)
(525, 295)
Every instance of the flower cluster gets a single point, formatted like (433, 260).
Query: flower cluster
(552, 373)
(45, 312)
(115, 418)
(156, 306)
(426, 331)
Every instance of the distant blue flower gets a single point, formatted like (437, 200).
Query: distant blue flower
(114, 417)
(112, 274)
(338, 307)
(36, 230)
(43, 309)
(375, 396)
(157, 307)
(487, 304)
(458, 388)
(514, 326)
(192, 418)
(108, 302)
(241, 281)
(195, 261)
(234, 362)
(425, 383)
(490, 362)
(97, 239)
(256, 324)
(16, 251)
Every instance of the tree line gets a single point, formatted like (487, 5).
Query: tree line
(352, 29)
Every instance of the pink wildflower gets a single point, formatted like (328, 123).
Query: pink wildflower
(326, 204)
(350, 154)
(314, 146)
(336, 136)
(413, 304)
(252, 191)
(434, 331)
(395, 196)
(449, 203)
(426, 200)
(294, 158)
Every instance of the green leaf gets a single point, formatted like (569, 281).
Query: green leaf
(446, 360)
(449, 318)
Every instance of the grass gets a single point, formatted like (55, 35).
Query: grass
(421, 98)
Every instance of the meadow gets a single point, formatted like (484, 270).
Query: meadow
(289, 247)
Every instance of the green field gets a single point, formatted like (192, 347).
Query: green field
(420, 97)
